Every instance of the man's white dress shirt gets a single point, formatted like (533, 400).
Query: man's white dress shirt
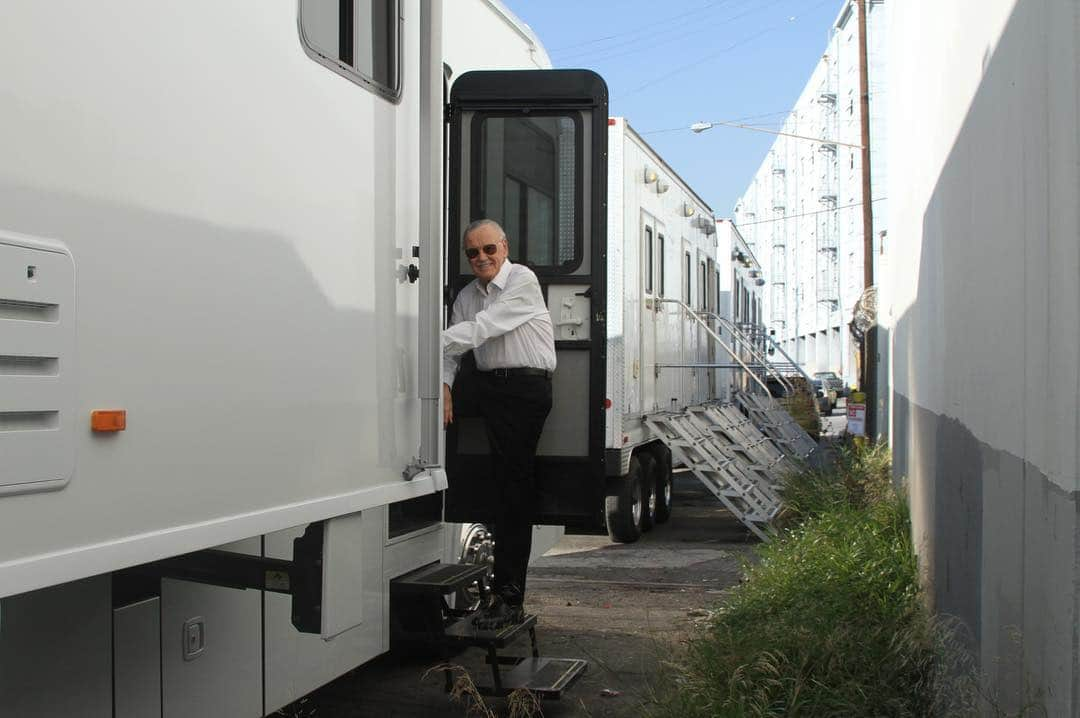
(506, 324)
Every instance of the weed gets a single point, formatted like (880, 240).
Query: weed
(829, 621)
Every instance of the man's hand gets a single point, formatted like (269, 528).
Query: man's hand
(448, 406)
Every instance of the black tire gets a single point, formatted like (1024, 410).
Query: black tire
(648, 490)
(623, 505)
(663, 483)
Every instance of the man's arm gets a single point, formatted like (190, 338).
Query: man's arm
(517, 304)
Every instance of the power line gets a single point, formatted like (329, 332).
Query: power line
(644, 29)
(710, 56)
(652, 40)
(807, 214)
(683, 128)
(702, 126)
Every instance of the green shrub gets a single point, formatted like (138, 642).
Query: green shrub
(829, 621)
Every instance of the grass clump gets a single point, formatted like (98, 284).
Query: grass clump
(829, 621)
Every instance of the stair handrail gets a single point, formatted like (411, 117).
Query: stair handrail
(746, 341)
(797, 365)
(716, 337)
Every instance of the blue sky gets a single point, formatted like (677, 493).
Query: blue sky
(670, 64)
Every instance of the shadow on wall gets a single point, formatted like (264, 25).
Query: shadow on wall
(996, 539)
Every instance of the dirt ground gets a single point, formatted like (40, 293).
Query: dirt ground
(625, 608)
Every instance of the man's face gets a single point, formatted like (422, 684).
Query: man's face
(486, 266)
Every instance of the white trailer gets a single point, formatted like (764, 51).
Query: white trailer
(222, 269)
(213, 343)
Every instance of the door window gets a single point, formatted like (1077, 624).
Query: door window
(527, 177)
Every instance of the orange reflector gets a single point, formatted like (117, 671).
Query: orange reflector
(108, 420)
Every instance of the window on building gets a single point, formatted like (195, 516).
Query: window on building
(358, 39)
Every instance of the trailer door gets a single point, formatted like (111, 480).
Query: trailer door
(528, 149)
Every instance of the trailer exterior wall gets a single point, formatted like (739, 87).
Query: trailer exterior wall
(984, 329)
(238, 220)
(642, 331)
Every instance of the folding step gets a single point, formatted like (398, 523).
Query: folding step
(465, 632)
(439, 578)
(546, 678)
(420, 613)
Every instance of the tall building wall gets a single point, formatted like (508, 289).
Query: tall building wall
(802, 212)
(983, 323)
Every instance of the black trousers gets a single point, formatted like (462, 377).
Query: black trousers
(514, 409)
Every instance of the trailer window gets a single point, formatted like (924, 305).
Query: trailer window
(686, 278)
(648, 261)
(701, 285)
(527, 176)
(358, 39)
(660, 265)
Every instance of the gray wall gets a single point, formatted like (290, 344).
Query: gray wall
(981, 320)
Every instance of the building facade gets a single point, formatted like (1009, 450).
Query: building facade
(801, 214)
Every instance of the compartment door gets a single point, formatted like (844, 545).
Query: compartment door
(528, 149)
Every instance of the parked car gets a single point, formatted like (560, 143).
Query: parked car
(832, 382)
(826, 399)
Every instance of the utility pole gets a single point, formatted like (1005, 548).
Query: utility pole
(869, 363)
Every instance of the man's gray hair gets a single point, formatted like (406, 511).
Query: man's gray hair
(477, 224)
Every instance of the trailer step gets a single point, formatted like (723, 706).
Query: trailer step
(440, 578)
(420, 614)
(546, 678)
(465, 632)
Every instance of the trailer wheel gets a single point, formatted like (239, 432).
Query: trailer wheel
(649, 493)
(663, 483)
(623, 505)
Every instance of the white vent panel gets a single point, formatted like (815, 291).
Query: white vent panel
(37, 342)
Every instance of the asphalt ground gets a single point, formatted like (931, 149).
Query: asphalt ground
(627, 609)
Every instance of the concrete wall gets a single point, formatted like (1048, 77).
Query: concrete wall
(982, 323)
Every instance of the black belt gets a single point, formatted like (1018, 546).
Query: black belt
(517, 371)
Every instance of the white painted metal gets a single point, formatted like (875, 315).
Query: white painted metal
(297, 663)
(37, 365)
(238, 237)
(236, 240)
(645, 333)
(137, 660)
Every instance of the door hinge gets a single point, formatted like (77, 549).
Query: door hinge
(448, 113)
(599, 317)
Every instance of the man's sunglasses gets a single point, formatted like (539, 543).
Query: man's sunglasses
(489, 249)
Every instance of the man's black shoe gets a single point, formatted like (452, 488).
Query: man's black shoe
(498, 614)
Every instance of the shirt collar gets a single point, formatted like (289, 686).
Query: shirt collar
(499, 280)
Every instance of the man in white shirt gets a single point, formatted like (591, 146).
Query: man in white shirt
(502, 317)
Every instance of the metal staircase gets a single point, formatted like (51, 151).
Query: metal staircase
(737, 474)
(777, 424)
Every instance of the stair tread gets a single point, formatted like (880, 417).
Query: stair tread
(463, 631)
(546, 677)
(439, 577)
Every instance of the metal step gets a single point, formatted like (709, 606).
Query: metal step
(465, 632)
(439, 578)
(722, 464)
(546, 678)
